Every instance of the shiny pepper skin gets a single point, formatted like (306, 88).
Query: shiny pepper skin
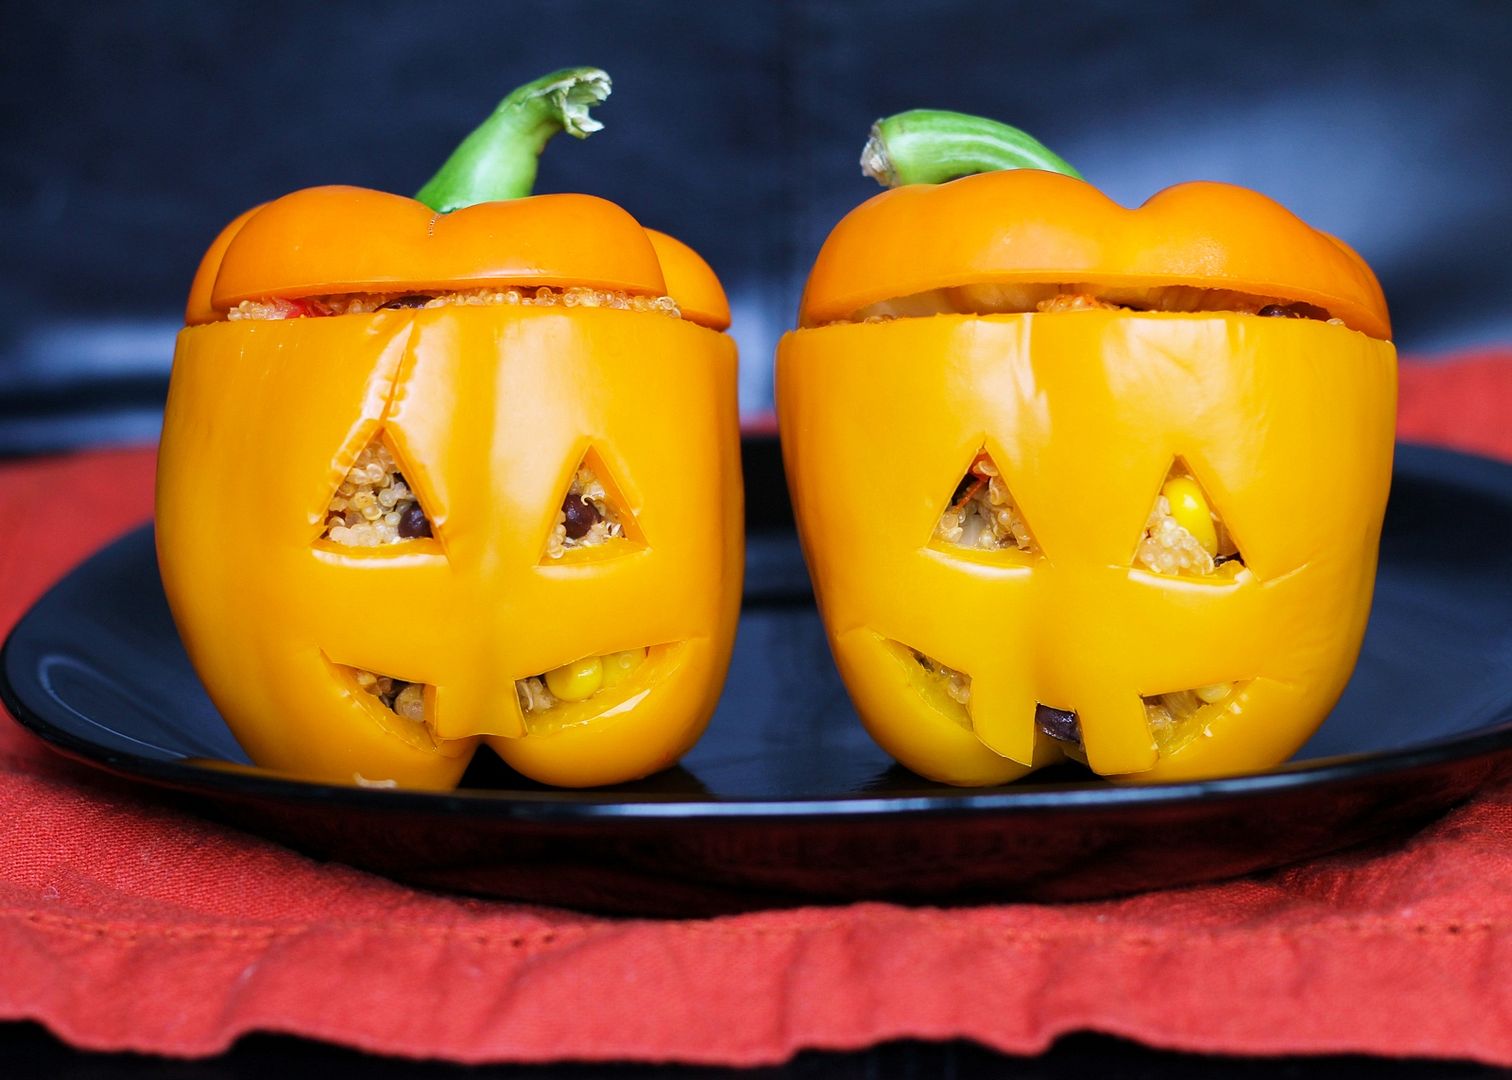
(489, 411)
(1286, 425)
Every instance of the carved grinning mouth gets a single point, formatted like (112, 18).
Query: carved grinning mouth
(1175, 718)
(565, 696)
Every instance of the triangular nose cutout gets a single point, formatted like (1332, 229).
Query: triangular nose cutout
(1184, 535)
(374, 505)
(982, 514)
(592, 513)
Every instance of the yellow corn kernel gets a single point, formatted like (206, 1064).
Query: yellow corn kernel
(578, 680)
(1216, 692)
(618, 666)
(1191, 511)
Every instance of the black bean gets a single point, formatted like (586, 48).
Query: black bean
(413, 522)
(412, 301)
(1059, 724)
(581, 514)
(1277, 311)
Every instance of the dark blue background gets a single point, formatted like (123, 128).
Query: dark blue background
(133, 132)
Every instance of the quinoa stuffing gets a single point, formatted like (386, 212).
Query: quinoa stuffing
(404, 699)
(1168, 548)
(533, 695)
(373, 505)
(982, 514)
(1171, 715)
(1074, 302)
(586, 517)
(366, 303)
(1015, 299)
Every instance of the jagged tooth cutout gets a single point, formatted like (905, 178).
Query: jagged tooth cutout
(1178, 717)
(982, 514)
(1184, 535)
(374, 505)
(593, 513)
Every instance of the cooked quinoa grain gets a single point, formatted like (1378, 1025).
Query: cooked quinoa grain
(533, 695)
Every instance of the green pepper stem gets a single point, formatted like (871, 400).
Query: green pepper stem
(498, 160)
(930, 146)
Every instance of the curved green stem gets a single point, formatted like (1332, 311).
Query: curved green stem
(498, 160)
(930, 146)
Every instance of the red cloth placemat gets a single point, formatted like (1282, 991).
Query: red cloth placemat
(124, 925)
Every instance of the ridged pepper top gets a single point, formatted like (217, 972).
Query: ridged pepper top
(1032, 226)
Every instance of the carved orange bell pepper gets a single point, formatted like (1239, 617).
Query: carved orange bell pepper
(1074, 479)
(456, 471)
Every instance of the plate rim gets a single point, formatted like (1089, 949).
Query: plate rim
(1487, 476)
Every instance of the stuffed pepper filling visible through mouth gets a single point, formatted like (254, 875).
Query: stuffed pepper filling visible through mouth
(1174, 719)
(404, 699)
(580, 680)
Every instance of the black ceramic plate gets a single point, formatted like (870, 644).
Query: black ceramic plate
(786, 800)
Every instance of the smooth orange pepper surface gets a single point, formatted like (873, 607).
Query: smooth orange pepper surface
(1285, 423)
(489, 411)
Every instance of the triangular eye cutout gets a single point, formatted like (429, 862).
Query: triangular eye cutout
(592, 513)
(982, 514)
(374, 505)
(1183, 535)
